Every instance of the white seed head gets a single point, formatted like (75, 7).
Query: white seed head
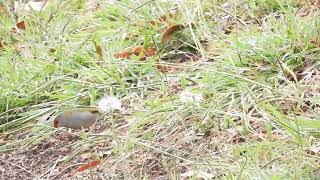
(109, 103)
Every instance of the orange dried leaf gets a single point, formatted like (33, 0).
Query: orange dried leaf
(21, 25)
(318, 3)
(123, 55)
(167, 34)
(137, 51)
(2, 9)
(88, 165)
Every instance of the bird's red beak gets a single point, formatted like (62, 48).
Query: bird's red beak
(56, 121)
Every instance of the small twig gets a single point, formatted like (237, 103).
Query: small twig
(54, 166)
(50, 169)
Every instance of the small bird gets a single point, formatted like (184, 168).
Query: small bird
(84, 118)
(77, 119)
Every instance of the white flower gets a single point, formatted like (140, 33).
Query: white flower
(189, 97)
(109, 103)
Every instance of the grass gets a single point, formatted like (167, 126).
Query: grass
(254, 63)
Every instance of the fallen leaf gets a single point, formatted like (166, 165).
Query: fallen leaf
(99, 51)
(123, 55)
(1, 45)
(52, 50)
(20, 25)
(137, 51)
(167, 34)
(2, 9)
(318, 3)
(88, 165)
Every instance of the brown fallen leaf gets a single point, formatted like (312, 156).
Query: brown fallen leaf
(318, 4)
(167, 34)
(137, 51)
(52, 50)
(88, 165)
(2, 9)
(20, 25)
(99, 51)
(1, 45)
(123, 55)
